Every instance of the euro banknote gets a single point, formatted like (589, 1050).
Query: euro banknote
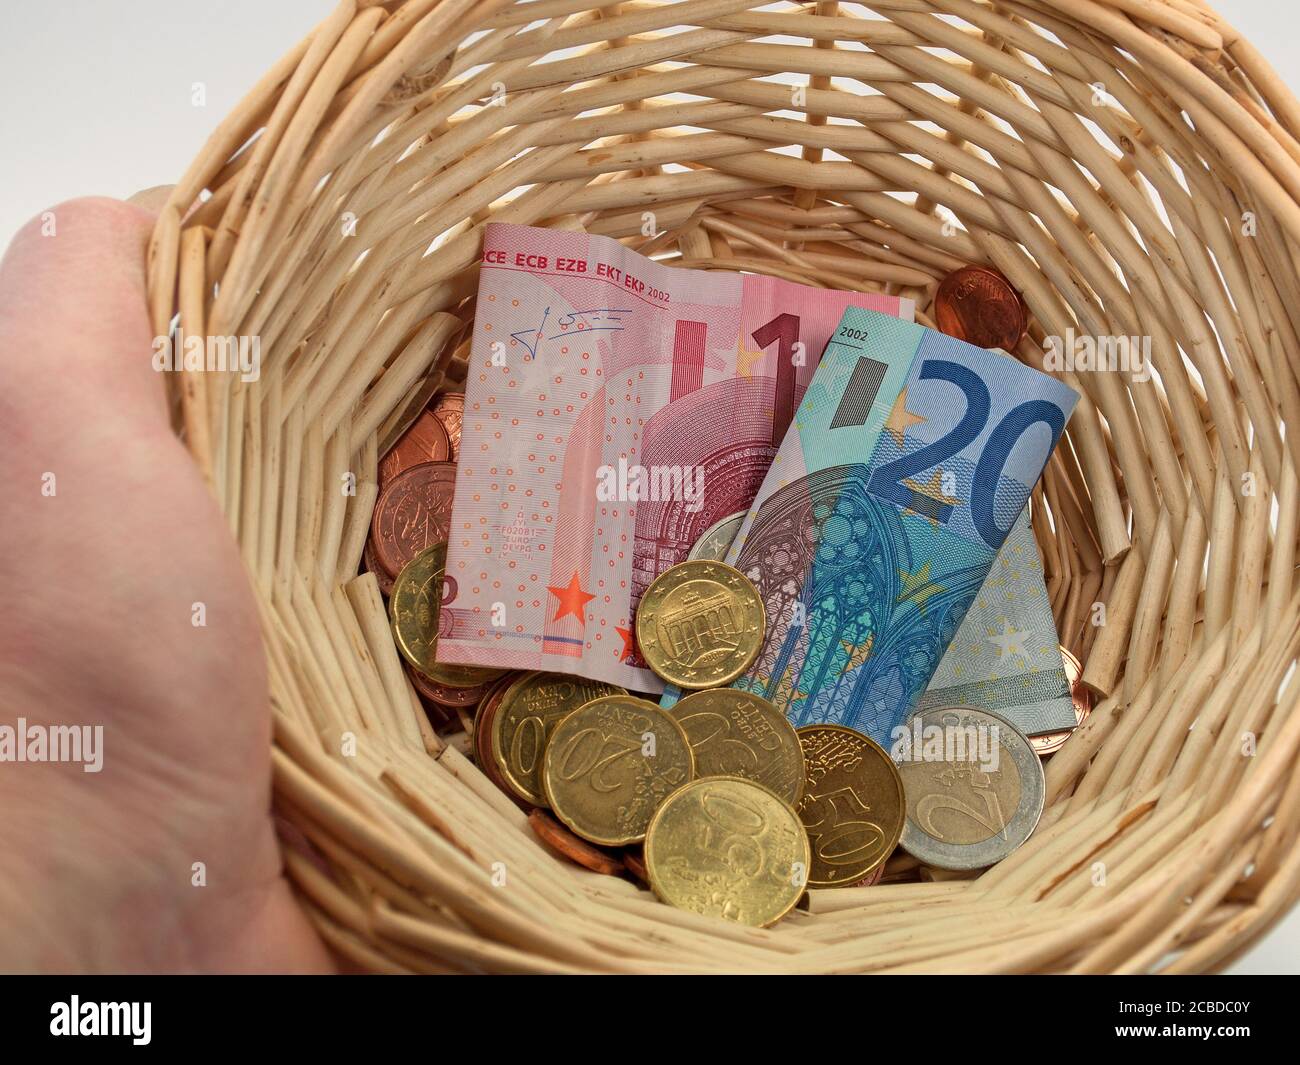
(615, 408)
(905, 468)
(1006, 655)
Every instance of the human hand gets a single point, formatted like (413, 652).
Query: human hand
(99, 579)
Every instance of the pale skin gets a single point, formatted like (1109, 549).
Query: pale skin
(97, 871)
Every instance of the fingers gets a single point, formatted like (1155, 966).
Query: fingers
(74, 329)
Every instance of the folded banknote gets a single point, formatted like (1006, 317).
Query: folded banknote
(905, 468)
(615, 409)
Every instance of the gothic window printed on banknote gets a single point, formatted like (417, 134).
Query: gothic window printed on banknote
(906, 466)
(615, 409)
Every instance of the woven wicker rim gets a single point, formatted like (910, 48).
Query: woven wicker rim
(1131, 165)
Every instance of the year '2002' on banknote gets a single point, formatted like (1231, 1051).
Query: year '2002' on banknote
(615, 409)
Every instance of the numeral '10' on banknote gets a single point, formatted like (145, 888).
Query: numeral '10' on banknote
(615, 408)
(910, 458)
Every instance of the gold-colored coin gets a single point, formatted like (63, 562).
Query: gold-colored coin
(730, 848)
(700, 624)
(853, 805)
(483, 720)
(415, 609)
(610, 763)
(530, 709)
(736, 734)
(417, 593)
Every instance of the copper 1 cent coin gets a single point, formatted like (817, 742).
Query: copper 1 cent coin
(1050, 742)
(978, 305)
(566, 844)
(425, 441)
(413, 513)
(449, 408)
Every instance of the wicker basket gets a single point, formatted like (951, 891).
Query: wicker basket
(1133, 166)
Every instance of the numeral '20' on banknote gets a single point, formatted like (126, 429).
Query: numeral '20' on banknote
(615, 408)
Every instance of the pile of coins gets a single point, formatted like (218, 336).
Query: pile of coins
(702, 801)
(717, 802)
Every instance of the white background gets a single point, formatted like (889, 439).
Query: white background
(95, 97)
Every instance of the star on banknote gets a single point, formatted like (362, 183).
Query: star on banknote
(745, 358)
(572, 599)
(918, 587)
(1010, 641)
(931, 489)
(901, 419)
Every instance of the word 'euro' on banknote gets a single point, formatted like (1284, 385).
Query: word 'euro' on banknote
(615, 409)
(908, 462)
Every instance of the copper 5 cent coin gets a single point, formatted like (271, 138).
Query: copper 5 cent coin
(413, 512)
(425, 441)
(978, 305)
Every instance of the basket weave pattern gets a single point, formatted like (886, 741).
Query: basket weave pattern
(1132, 166)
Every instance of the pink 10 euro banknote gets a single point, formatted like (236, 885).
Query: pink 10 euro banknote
(615, 408)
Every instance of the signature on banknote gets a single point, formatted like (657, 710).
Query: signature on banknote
(571, 323)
